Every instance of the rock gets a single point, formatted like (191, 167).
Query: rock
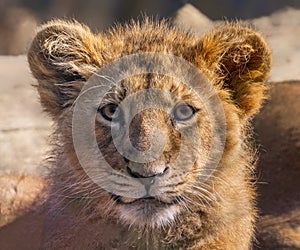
(282, 31)
(189, 17)
(18, 195)
(21, 225)
(24, 129)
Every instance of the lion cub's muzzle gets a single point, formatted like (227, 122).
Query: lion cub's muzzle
(147, 173)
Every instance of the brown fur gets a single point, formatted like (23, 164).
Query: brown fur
(234, 58)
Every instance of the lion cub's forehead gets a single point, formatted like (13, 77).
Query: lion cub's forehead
(161, 88)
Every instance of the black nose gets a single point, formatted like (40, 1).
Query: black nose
(146, 180)
(138, 175)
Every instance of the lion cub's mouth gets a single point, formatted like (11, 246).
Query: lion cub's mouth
(149, 211)
(146, 200)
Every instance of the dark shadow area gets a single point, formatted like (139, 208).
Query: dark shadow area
(25, 233)
(242, 9)
(278, 132)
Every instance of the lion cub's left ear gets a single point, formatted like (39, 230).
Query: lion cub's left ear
(62, 56)
(238, 59)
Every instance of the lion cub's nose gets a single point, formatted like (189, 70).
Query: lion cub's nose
(146, 170)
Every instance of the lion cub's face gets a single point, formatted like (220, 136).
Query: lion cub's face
(149, 112)
(166, 181)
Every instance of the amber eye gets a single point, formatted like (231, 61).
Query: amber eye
(110, 112)
(183, 112)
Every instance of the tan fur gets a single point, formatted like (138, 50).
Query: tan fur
(234, 58)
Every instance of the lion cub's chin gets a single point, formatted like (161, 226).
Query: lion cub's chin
(148, 212)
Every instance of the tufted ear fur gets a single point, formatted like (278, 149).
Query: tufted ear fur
(61, 57)
(238, 59)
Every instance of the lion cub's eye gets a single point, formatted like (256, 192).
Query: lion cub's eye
(183, 112)
(110, 112)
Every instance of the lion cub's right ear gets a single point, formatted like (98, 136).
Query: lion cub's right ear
(62, 56)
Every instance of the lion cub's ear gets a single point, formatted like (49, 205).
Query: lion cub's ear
(239, 59)
(61, 57)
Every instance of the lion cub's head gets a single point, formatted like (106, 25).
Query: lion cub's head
(167, 142)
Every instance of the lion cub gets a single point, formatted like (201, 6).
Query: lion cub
(194, 190)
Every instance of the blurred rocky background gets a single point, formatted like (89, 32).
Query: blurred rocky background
(18, 18)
